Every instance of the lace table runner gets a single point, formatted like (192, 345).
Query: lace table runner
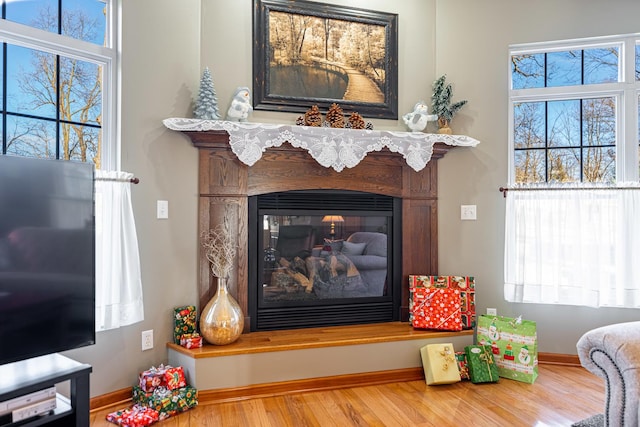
(330, 147)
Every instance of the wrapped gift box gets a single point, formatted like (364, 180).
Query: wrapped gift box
(418, 281)
(174, 378)
(482, 366)
(184, 322)
(465, 284)
(163, 376)
(463, 366)
(191, 340)
(152, 378)
(436, 308)
(167, 402)
(439, 363)
(134, 417)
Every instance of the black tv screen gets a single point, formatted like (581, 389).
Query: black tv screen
(47, 257)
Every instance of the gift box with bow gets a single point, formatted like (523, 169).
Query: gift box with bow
(439, 363)
(482, 366)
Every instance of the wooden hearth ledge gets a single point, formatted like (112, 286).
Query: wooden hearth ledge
(296, 339)
(273, 363)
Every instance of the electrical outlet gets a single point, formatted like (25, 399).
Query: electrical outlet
(492, 311)
(147, 340)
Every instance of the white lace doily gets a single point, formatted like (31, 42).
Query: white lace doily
(330, 147)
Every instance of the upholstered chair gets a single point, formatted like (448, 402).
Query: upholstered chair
(613, 353)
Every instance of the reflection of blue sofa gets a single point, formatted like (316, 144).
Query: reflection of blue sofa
(368, 252)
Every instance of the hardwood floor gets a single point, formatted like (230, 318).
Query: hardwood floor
(560, 396)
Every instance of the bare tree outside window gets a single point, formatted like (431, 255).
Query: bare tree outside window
(55, 102)
(572, 140)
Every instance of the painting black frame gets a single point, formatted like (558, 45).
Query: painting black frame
(264, 99)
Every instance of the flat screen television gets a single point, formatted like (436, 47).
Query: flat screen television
(47, 257)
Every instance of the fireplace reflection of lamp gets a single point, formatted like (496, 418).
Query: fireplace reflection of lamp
(332, 219)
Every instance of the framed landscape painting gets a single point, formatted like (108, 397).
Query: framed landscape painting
(307, 53)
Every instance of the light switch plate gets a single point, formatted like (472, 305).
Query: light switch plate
(468, 212)
(163, 209)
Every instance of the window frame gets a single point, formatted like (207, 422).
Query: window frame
(625, 92)
(108, 57)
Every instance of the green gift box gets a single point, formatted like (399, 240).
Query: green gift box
(184, 322)
(514, 343)
(482, 366)
(166, 402)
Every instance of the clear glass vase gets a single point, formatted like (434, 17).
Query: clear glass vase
(222, 320)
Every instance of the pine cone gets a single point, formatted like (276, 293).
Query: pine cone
(369, 126)
(300, 121)
(356, 121)
(313, 117)
(335, 116)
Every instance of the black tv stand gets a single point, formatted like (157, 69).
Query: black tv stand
(27, 376)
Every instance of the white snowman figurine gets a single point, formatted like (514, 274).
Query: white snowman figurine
(417, 119)
(523, 356)
(240, 105)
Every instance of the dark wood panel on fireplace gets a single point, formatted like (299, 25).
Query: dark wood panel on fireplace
(225, 184)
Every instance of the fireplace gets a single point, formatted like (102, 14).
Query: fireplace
(226, 185)
(323, 258)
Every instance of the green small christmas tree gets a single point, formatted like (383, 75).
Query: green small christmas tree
(442, 106)
(207, 103)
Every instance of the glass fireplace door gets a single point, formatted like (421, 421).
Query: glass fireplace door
(320, 258)
(323, 257)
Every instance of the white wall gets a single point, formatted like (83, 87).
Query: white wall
(167, 44)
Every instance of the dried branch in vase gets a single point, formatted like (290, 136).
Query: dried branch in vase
(219, 250)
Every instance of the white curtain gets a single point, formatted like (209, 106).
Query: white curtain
(573, 246)
(118, 279)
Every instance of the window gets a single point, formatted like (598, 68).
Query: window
(570, 104)
(571, 232)
(58, 86)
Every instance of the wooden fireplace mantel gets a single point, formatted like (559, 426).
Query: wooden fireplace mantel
(225, 184)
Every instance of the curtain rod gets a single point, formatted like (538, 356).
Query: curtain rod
(133, 180)
(504, 190)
